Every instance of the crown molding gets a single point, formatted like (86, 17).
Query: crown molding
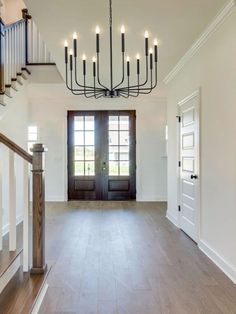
(211, 28)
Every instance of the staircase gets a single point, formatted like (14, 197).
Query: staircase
(21, 47)
(23, 270)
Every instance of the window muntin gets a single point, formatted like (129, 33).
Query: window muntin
(119, 146)
(84, 146)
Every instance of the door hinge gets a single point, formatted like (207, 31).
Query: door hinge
(179, 163)
(179, 118)
(179, 208)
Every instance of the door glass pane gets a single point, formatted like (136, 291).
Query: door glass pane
(124, 168)
(84, 146)
(113, 138)
(124, 123)
(79, 123)
(113, 168)
(124, 138)
(89, 153)
(79, 168)
(114, 153)
(124, 153)
(89, 138)
(79, 153)
(89, 168)
(113, 123)
(79, 138)
(89, 123)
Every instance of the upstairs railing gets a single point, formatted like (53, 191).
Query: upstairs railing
(20, 45)
(37, 237)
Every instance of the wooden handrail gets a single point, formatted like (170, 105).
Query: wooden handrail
(7, 26)
(16, 148)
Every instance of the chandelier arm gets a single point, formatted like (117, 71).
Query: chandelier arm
(81, 92)
(123, 72)
(146, 79)
(76, 78)
(98, 73)
(148, 88)
(96, 94)
(71, 88)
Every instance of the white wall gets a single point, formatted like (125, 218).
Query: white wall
(213, 69)
(48, 110)
(13, 124)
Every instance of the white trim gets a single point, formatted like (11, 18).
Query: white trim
(5, 228)
(172, 219)
(10, 272)
(58, 198)
(209, 31)
(220, 261)
(39, 300)
(151, 198)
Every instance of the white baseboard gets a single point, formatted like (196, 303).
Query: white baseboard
(6, 277)
(5, 228)
(151, 198)
(220, 261)
(172, 219)
(55, 199)
(39, 299)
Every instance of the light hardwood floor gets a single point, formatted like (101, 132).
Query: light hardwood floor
(126, 257)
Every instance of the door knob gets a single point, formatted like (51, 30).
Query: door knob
(194, 176)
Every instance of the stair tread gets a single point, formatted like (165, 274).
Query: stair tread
(6, 257)
(21, 293)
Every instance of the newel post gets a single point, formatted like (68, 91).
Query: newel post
(26, 17)
(38, 262)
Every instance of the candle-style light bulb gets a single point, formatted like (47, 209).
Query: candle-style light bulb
(151, 51)
(122, 38)
(66, 43)
(71, 52)
(146, 43)
(75, 36)
(94, 66)
(122, 29)
(155, 50)
(138, 63)
(84, 57)
(97, 30)
(128, 66)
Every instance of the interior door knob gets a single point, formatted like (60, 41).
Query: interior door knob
(194, 176)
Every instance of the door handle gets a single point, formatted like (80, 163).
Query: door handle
(194, 176)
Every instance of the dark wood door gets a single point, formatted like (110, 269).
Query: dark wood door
(101, 155)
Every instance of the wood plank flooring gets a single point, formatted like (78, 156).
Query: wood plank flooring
(127, 258)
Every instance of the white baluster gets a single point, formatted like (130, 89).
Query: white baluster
(9, 57)
(32, 43)
(1, 210)
(26, 217)
(13, 53)
(6, 57)
(38, 47)
(44, 52)
(23, 44)
(12, 202)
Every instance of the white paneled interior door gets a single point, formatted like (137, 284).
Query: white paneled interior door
(189, 184)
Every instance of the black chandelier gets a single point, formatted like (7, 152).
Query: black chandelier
(124, 88)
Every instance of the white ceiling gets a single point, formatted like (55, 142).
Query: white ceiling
(175, 23)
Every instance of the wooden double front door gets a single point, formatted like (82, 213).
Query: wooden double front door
(101, 155)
